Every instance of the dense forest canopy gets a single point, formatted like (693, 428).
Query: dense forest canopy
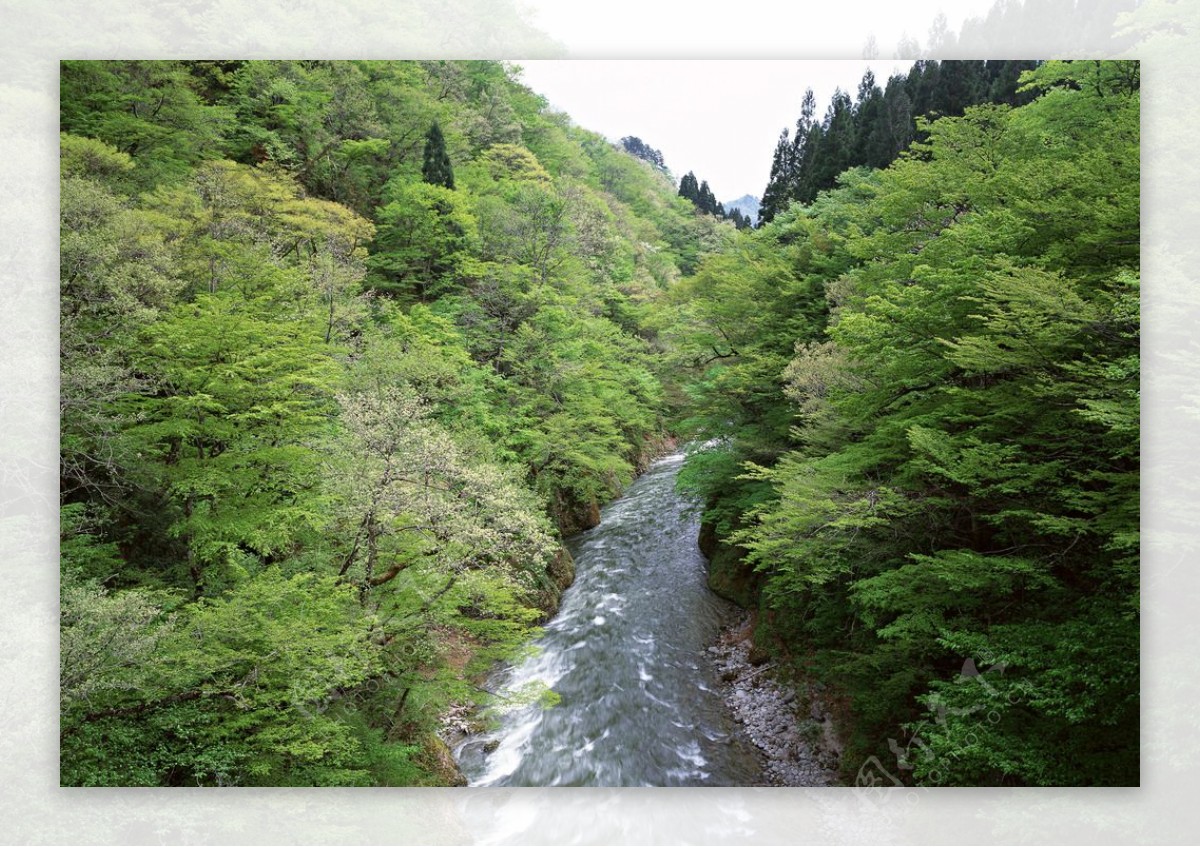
(347, 348)
(880, 123)
(923, 387)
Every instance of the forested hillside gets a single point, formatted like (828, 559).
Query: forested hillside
(879, 123)
(346, 348)
(349, 348)
(923, 389)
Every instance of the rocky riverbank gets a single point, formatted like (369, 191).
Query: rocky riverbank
(795, 734)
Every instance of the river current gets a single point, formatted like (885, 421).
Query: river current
(626, 654)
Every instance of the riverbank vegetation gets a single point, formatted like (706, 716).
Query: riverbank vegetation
(924, 384)
(348, 347)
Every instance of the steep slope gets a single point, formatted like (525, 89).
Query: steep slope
(347, 347)
(920, 395)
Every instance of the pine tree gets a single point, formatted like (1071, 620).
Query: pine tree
(634, 146)
(899, 115)
(872, 147)
(689, 188)
(436, 168)
(835, 153)
(776, 195)
(804, 151)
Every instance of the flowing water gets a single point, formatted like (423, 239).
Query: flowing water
(639, 702)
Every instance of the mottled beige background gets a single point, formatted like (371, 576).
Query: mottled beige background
(1164, 34)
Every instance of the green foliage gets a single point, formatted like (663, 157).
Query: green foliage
(422, 241)
(435, 165)
(300, 519)
(328, 405)
(956, 473)
(117, 275)
(81, 552)
(150, 110)
(879, 125)
(242, 398)
(232, 692)
(87, 157)
(109, 641)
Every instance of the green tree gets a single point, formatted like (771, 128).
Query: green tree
(422, 243)
(234, 691)
(435, 162)
(242, 397)
(959, 486)
(688, 187)
(264, 460)
(117, 274)
(150, 110)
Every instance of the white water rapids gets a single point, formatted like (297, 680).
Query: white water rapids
(625, 653)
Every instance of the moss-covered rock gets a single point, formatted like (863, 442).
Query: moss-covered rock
(728, 574)
(560, 573)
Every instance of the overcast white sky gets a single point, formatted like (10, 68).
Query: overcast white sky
(718, 117)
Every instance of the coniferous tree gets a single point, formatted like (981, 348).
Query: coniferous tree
(1002, 81)
(922, 77)
(809, 133)
(700, 195)
(879, 124)
(959, 84)
(634, 146)
(689, 188)
(791, 168)
(836, 151)
(707, 202)
(778, 191)
(898, 112)
(739, 220)
(435, 168)
(872, 147)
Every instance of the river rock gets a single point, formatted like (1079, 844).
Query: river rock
(766, 711)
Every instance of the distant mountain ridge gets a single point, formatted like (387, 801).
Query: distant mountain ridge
(747, 204)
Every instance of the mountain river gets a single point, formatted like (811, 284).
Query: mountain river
(640, 704)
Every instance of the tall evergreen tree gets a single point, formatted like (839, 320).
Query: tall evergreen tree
(809, 134)
(778, 191)
(836, 151)
(1002, 82)
(739, 220)
(689, 188)
(899, 115)
(872, 142)
(634, 146)
(960, 84)
(700, 195)
(436, 169)
(879, 124)
(707, 202)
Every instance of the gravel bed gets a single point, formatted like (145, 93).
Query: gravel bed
(793, 733)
